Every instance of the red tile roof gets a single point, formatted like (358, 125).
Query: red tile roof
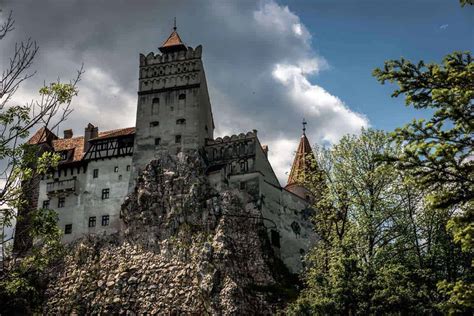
(42, 135)
(302, 162)
(173, 43)
(76, 143)
(116, 133)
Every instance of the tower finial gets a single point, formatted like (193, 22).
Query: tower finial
(304, 126)
(174, 27)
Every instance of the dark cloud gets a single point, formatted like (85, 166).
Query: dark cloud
(244, 44)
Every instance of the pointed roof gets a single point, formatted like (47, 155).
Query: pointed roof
(43, 135)
(302, 163)
(173, 43)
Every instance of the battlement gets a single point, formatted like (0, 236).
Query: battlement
(152, 59)
(232, 138)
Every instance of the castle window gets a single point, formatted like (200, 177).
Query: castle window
(177, 139)
(154, 123)
(157, 141)
(128, 167)
(243, 166)
(155, 101)
(105, 194)
(205, 128)
(92, 221)
(116, 169)
(275, 238)
(95, 173)
(61, 201)
(46, 204)
(105, 220)
(182, 96)
(68, 229)
(180, 121)
(63, 155)
(120, 177)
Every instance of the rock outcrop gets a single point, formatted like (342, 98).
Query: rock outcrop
(185, 249)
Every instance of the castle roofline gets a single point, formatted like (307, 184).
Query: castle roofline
(173, 43)
(302, 162)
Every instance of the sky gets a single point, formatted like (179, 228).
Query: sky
(268, 63)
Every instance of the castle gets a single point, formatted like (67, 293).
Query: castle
(174, 115)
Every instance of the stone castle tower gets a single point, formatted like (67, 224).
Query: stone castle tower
(97, 170)
(173, 111)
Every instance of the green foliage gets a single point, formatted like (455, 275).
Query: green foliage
(439, 151)
(382, 249)
(464, 2)
(22, 286)
(63, 92)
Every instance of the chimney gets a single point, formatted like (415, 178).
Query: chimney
(68, 133)
(265, 150)
(90, 132)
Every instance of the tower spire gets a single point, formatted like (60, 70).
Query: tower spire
(303, 165)
(173, 43)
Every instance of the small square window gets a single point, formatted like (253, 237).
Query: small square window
(46, 204)
(95, 173)
(116, 169)
(128, 167)
(92, 221)
(182, 96)
(68, 229)
(157, 141)
(181, 121)
(61, 201)
(105, 220)
(105, 194)
(177, 139)
(120, 177)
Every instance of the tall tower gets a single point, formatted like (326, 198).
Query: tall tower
(173, 111)
(303, 164)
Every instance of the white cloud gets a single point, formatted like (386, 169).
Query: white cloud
(259, 59)
(279, 20)
(334, 117)
(281, 153)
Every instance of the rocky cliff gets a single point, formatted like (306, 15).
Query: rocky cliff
(184, 249)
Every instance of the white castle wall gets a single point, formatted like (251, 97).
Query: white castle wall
(87, 200)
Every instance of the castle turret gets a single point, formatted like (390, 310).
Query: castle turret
(303, 165)
(173, 112)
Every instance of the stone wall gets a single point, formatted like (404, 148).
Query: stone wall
(185, 249)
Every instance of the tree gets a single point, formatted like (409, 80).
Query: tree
(22, 164)
(439, 152)
(382, 249)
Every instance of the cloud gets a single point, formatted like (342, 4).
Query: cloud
(444, 26)
(260, 62)
(335, 118)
